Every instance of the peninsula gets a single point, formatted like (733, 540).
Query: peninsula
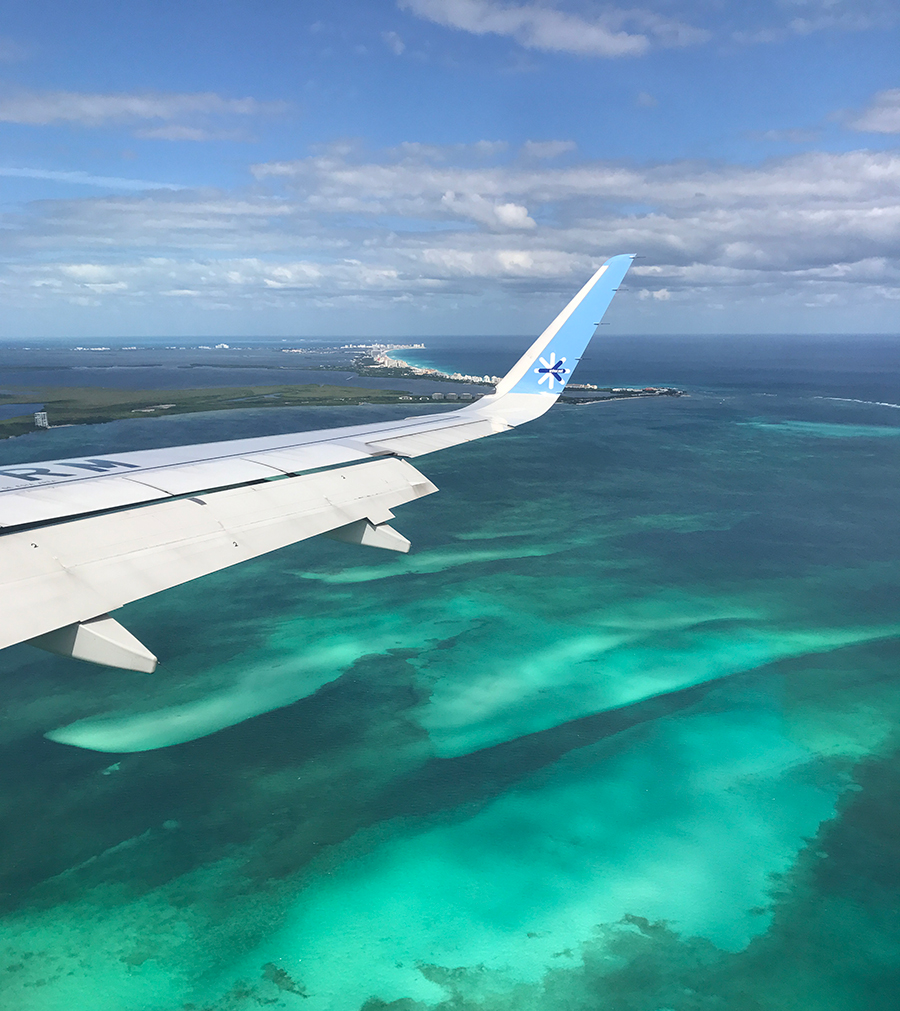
(379, 363)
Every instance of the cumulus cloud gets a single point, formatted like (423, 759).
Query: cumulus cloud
(610, 33)
(881, 116)
(488, 212)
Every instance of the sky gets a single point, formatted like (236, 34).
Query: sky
(397, 168)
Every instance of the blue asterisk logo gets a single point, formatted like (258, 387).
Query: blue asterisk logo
(552, 371)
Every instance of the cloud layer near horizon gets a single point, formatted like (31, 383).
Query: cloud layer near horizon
(377, 229)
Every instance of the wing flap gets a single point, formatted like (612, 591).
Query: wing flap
(40, 504)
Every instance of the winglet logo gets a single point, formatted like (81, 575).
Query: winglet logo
(552, 371)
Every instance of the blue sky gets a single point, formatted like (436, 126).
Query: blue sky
(415, 167)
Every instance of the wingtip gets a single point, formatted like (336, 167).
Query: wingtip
(622, 256)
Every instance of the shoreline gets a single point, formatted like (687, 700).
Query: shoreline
(379, 360)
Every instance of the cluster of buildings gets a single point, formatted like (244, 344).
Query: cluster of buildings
(646, 391)
(382, 347)
(628, 391)
(384, 361)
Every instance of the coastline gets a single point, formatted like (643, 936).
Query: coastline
(379, 362)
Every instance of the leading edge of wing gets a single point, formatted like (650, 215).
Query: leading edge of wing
(55, 490)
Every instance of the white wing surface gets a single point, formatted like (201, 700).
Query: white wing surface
(81, 537)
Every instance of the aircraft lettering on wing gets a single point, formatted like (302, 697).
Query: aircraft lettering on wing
(39, 473)
(80, 538)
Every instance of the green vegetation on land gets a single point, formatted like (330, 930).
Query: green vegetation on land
(72, 405)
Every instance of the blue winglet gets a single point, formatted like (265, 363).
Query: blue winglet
(548, 364)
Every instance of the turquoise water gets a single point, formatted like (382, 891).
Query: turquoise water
(620, 733)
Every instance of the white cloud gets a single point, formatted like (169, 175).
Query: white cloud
(597, 28)
(795, 135)
(416, 186)
(496, 215)
(480, 151)
(454, 263)
(178, 131)
(86, 179)
(541, 150)
(611, 33)
(393, 41)
(793, 18)
(34, 108)
(881, 116)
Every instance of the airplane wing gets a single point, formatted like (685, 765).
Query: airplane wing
(81, 537)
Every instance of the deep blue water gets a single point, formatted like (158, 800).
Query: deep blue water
(839, 365)
(620, 734)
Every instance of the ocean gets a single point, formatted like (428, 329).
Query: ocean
(619, 734)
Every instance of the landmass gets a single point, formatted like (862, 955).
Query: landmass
(379, 363)
(615, 393)
(91, 405)
(88, 405)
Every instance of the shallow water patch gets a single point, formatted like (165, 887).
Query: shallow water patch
(824, 430)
